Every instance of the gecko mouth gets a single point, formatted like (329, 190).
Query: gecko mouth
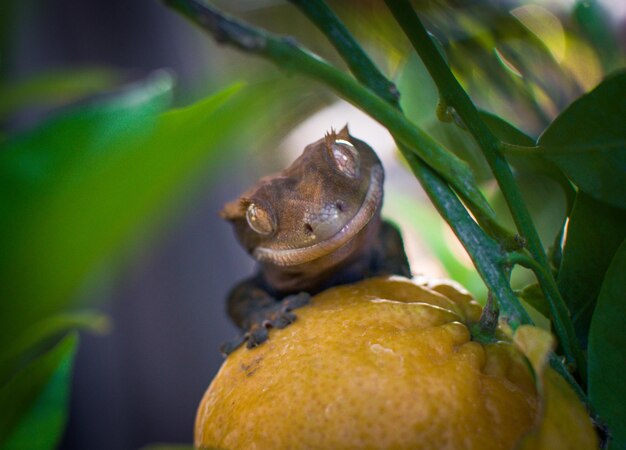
(295, 256)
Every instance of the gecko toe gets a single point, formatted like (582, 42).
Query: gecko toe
(230, 346)
(277, 315)
(296, 301)
(283, 320)
(256, 336)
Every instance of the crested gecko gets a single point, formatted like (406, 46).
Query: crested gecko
(314, 225)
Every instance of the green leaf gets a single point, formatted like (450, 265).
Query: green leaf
(26, 345)
(533, 295)
(594, 233)
(595, 24)
(58, 190)
(81, 187)
(54, 88)
(562, 420)
(607, 341)
(588, 141)
(526, 160)
(419, 92)
(505, 131)
(34, 402)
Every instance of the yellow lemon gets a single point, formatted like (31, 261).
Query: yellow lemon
(384, 363)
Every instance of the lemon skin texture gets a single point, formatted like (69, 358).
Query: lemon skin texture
(383, 363)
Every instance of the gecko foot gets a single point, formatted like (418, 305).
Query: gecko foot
(278, 315)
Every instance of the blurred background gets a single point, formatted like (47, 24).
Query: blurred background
(161, 276)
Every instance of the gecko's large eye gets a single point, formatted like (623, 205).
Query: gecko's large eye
(260, 219)
(346, 158)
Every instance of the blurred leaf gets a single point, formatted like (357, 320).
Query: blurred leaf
(81, 186)
(18, 350)
(535, 344)
(588, 141)
(607, 341)
(461, 143)
(505, 131)
(545, 25)
(533, 295)
(594, 233)
(34, 402)
(595, 25)
(57, 221)
(419, 93)
(562, 420)
(527, 161)
(55, 88)
(545, 201)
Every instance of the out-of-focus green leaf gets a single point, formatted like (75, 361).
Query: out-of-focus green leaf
(607, 341)
(419, 92)
(460, 142)
(55, 183)
(34, 402)
(505, 131)
(81, 186)
(18, 351)
(527, 161)
(594, 233)
(595, 25)
(533, 295)
(53, 88)
(42, 426)
(588, 141)
(562, 421)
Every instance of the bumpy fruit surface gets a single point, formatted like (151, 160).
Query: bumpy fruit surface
(384, 363)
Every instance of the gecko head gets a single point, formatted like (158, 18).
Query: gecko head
(312, 208)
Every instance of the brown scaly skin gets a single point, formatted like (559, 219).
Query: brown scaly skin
(314, 225)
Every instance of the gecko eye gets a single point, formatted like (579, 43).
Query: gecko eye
(346, 158)
(260, 220)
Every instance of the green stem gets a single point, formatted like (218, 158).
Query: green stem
(455, 96)
(287, 54)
